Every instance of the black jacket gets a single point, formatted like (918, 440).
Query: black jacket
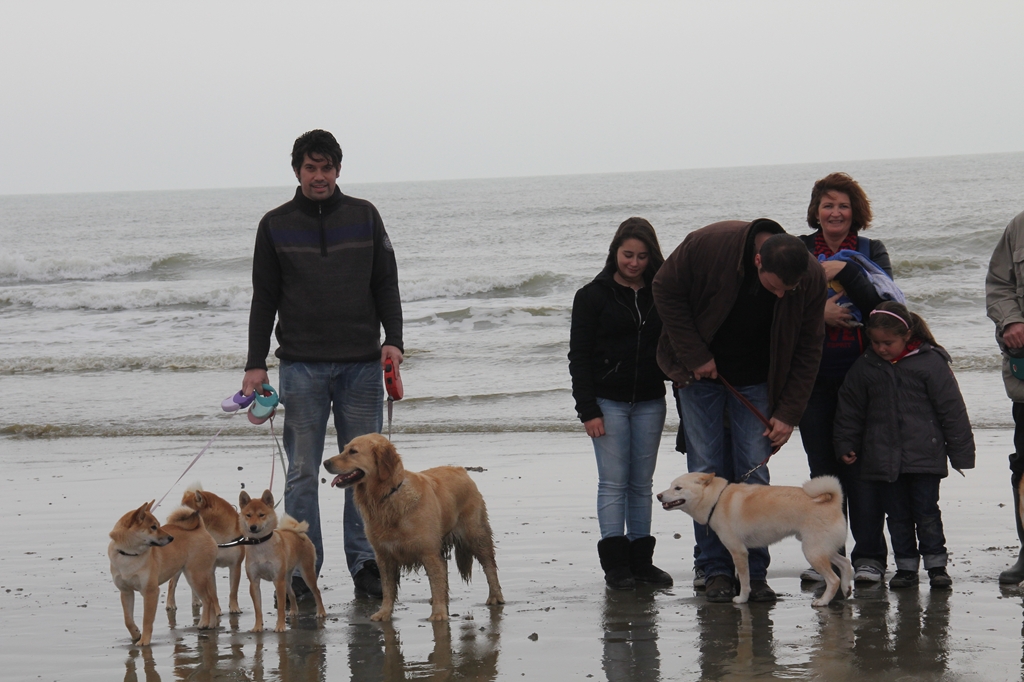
(613, 345)
(907, 417)
(327, 270)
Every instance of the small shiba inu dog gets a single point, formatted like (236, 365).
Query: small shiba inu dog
(223, 523)
(272, 553)
(744, 515)
(143, 557)
(415, 519)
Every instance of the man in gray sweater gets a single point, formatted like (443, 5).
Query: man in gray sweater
(325, 267)
(1003, 286)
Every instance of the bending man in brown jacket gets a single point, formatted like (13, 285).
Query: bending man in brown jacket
(744, 301)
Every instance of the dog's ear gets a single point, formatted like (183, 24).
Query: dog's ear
(706, 479)
(387, 458)
(268, 498)
(140, 513)
(200, 500)
(243, 499)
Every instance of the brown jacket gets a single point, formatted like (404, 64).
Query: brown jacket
(697, 287)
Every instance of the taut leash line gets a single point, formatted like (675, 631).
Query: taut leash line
(201, 453)
(757, 413)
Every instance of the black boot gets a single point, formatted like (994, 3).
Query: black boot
(614, 554)
(1015, 574)
(641, 555)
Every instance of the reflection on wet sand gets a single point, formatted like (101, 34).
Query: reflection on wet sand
(300, 654)
(474, 657)
(631, 636)
(735, 640)
(898, 635)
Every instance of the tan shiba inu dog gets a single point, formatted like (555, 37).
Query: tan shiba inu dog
(143, 557)
(272, 553)
(224, 524)
(744, 515)
(414, 519)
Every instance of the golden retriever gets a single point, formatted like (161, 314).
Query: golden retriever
(416, 519)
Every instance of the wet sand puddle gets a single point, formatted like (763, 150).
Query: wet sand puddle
(62, 617)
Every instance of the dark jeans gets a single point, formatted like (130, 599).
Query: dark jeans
(863, 499)
(728, 453)
(912, 502)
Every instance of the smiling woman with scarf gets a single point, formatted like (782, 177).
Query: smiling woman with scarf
(620, 398)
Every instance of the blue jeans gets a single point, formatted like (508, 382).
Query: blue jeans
(728, 453)
(626, 456)
(912, 503)
(310, 391)
(863, 499)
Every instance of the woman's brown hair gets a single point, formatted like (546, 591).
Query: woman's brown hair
(841, 182)
(637, 228)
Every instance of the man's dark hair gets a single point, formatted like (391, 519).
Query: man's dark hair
(318, 142)
(784, 256)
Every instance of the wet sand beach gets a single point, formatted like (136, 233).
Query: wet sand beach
(61, 615)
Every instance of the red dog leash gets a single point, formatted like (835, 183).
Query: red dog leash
(757, 413)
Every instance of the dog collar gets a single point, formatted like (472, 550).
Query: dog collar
(715, 505)
(393, 490)
(123, 553)
(242, 540)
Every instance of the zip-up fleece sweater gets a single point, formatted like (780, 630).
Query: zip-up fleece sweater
(327, 270)
(612, 345)
(696, 289)
(905, 417)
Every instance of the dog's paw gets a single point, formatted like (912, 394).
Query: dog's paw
(740, 599)
(819, 602)
(495, 600)
(135, 634)
(438, 617)
(381, 616)
(281, 628)
(235, 608)
(320, 613)
(172, 607)
(257, 628)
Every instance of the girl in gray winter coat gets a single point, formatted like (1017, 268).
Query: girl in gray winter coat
(900, 416)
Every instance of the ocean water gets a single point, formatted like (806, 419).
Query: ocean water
(126, 313)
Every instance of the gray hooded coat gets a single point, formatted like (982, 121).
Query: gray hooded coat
(907, 417)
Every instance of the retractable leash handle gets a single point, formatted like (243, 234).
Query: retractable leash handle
(393, 385)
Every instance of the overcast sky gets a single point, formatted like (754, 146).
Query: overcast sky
(100, 96)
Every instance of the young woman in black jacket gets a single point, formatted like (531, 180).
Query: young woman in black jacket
(620, 398)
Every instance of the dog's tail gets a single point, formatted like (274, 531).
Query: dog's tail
(185, 518)
(824, 489)
(463, 557)
(288, 523)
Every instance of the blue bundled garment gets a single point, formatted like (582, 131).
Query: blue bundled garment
(878, 277)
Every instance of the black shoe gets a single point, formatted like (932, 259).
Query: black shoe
(760, 592)
(301, 590)
(614, 555)
(1014, 574)
(720, 589)
(699, 580)
(641, 565)
(904, 579)
(367, 579)
(939, 579)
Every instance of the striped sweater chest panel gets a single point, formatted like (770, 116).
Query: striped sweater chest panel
(347, 227)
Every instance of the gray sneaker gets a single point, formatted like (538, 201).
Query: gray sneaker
(809, 575)
(868, 574)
